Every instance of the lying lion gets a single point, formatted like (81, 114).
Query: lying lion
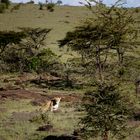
(51, 105)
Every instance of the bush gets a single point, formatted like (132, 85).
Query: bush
(107, 112)
(50, 7)
(19, 59)
(137, 10)
(31, 2)
(41, 118)
(7, 3)
(17, 55)
(2, 7)
(59, 2)
(16, 7)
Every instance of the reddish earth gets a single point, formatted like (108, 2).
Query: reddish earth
(36, 97)
(18, 94)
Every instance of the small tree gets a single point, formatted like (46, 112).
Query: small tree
(107, 113)
(35, 37)
(50, 6)
(59, 2)
(2, 7)
(26, 54)
(7, 3)
(103, 38)
(16, 7)
(31, 52)
(7, 38)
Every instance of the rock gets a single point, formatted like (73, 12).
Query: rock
(46, 127)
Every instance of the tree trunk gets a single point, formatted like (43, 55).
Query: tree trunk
(120, 56)
(105, 136)
(99, 64)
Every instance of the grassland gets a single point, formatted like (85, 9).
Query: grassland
(15, 113)
(62, 20)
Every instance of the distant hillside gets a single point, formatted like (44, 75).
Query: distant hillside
(62, 20)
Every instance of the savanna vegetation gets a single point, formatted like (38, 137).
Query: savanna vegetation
(89, 56)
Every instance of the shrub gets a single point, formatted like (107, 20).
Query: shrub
(41, 118)
(16, 7)
(2, 7)
(31, 2)
(107, 112)
(59, 2)
(50, 7)
(17, 55)
(7, 3)
(137, 10)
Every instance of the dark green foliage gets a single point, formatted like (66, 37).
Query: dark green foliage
(16, 7)
(41, 118)
(35, 37)
(27, 55)
(31, 2)
(137, 10)
(50, 7)
(102, 38)
(43, 61)
(2, 7)
(7, 3)
(107, 112)
(7, 38)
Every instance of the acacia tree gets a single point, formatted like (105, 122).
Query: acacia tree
(23, 51)
(103, 42)
(11, 37)
(59, 2)
(107, 113)
(6, 2)
(110, 29)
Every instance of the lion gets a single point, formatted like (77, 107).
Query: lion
(51, 105)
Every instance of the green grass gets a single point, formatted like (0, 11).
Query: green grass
(30, 16)
(12, 128)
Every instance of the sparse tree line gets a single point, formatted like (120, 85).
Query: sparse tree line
(4, 4)
(49, 5)
(107, 59)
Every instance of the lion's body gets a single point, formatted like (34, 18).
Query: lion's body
(51, 105)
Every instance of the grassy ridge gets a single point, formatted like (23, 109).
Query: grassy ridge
(63, 19)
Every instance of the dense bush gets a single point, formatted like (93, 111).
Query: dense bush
(2, 7)
(31, 2)
(16, 7)
(7, 3)
(17, 59)
(18, 55)
(50, 7)
(107, 112)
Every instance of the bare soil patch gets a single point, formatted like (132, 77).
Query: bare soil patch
(36, 97)
(19, 94)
